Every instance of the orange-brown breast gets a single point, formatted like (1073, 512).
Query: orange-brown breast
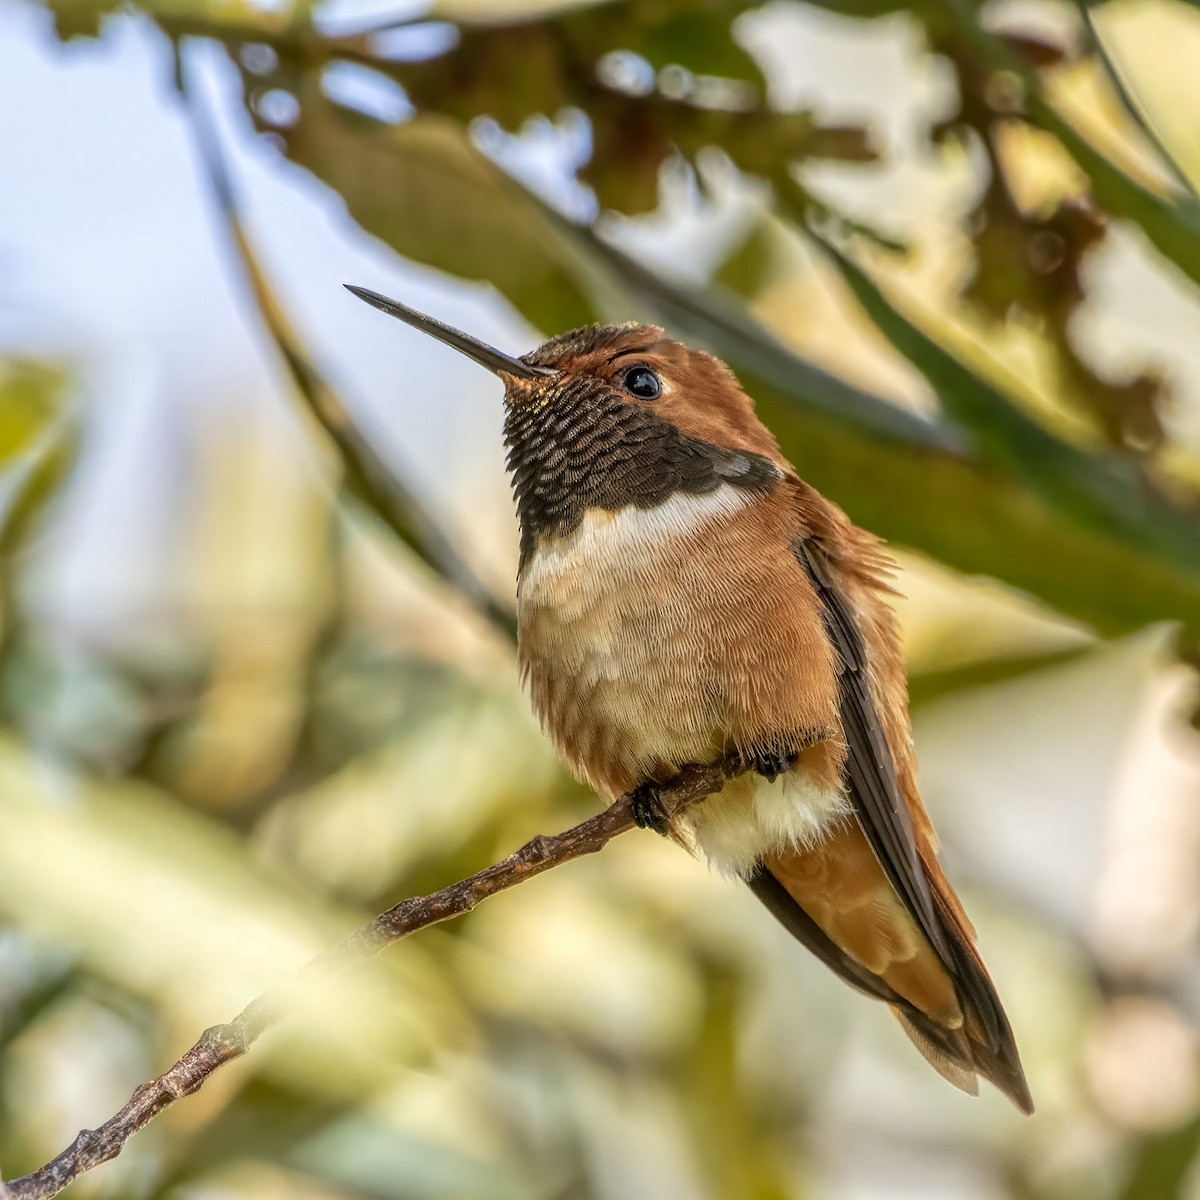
(651, 638)
(654, 638)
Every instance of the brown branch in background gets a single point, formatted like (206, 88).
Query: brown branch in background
(366, 475)
(222, 1043)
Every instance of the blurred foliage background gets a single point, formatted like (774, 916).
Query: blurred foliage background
(256, 661)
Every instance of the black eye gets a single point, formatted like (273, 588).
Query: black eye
(642, 383)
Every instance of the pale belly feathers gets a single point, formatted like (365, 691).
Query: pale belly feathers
(619, 637)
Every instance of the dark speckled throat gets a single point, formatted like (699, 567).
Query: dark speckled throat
(573, 445)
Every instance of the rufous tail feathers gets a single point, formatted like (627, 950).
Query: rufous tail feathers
(836, 898)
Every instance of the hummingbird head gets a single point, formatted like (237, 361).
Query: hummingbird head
(609, 416)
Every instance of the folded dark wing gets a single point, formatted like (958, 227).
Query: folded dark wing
(870, 771)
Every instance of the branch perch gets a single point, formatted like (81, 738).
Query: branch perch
(223, 1043)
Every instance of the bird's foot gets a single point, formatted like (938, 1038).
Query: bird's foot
(649, 810)
(770, 764)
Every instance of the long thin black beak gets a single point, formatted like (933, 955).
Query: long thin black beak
(485, 355)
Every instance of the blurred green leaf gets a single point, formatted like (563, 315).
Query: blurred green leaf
(265, 1121)
(1172, 225)
(428, 193)
(738, 1140)
(633, 137)
(756, 261)
(37, 443)
(1104, 491)
(22, 1010)
(1132, 107)
(30, 398)
(924, 687)
(1031, 266)
(1163, 1164)
(376, 1161)
(694, 34)
(515, 69)
(82, 18)
(511, 72)
(367, 477)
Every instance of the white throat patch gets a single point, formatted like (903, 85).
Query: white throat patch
(624, 543)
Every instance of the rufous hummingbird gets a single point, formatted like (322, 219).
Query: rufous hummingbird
(682, 594)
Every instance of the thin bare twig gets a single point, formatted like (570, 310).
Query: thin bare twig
(223, 1043)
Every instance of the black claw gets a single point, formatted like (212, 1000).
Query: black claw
(770, 764)
(649, 811)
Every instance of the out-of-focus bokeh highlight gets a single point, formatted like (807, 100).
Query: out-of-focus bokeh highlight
(256, 672)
